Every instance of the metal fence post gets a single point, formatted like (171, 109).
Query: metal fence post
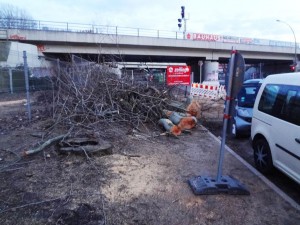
(132, 78)
(58, 67)
(11, 81)
(27, 84)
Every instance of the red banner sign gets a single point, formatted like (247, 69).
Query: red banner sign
(204, 37)
(178, 75)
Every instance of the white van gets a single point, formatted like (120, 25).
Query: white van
(275, 129)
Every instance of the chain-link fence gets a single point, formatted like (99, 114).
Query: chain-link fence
(13, 65)
(13, 79)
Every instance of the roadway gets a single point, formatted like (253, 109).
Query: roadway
(242, 147)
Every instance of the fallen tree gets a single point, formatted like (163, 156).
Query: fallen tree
(89, 97)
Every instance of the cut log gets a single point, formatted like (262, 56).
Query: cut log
(169, 126)
(187, 123)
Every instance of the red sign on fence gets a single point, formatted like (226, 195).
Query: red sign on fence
(178, 75)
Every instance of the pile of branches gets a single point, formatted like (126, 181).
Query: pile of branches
(91, 95)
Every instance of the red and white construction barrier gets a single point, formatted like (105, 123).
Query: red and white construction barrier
(208, 91)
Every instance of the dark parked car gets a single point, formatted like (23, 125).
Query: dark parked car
(244, 107)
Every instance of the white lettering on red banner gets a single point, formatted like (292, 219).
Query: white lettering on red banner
(206, 37)
(178, 75)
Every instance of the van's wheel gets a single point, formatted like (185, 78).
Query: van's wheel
(262, 156)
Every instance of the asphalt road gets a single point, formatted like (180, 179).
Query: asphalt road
(243, 148)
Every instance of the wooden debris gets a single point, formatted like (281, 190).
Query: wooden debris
(169, 126)
(194, 108)
(187, 123)
(183, 122)
(45, 145)
(85, 146)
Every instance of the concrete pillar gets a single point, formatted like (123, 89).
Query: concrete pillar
(210, 71)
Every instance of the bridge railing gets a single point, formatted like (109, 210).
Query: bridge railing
(7, 23)
(86, 28)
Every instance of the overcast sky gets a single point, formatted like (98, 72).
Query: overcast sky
(251, 18)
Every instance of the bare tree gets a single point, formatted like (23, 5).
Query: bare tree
(14, 17)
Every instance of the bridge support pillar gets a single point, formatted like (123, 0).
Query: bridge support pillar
(204, 70)
(210, 71)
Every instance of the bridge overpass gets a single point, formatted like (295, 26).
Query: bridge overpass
(145, 49)
(137, 45)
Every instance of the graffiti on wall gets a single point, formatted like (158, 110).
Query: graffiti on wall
(17, 37)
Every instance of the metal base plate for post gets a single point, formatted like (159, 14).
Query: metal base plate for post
(205, 185)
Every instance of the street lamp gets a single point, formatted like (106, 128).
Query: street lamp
(295, 59)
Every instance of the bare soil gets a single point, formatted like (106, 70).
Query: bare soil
(142, 182)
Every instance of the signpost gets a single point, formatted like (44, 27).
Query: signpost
(205, 185)
(178, 75)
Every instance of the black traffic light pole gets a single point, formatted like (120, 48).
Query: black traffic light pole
(182, 19)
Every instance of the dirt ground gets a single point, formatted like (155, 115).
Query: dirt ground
(143, 182)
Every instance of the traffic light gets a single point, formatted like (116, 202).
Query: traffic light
(182, 17)
(182, 11)
(179, 23)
